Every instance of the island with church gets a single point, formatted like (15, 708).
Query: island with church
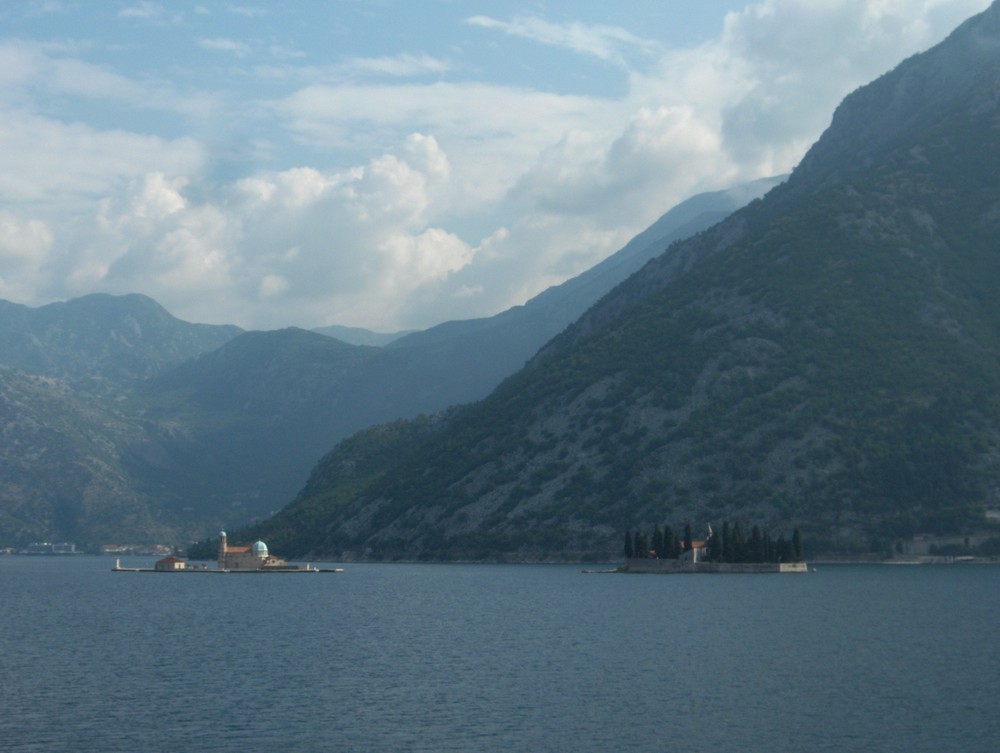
(728, 550)
(253, 558)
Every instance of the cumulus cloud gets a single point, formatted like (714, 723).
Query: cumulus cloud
(22, 241)
(347, 246)
(42, 159)
(460, 197)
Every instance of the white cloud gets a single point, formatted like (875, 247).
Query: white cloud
(469, 197)
(22, 240)
(348, 246)
(44, 160)
(222, 44)
(143, 10)
(603, 42)
(398, 65)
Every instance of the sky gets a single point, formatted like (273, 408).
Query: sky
(393, 164)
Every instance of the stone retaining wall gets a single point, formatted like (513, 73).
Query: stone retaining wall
(677, 566)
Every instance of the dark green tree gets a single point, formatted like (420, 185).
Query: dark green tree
(769, 555)
(784, 550)
(739, 544)
(671, 547)
(727, 543)
(641, 545)
(687, 537)
(755, 547)
(797, 551)
(629, 550)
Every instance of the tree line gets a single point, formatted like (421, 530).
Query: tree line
(730, 543)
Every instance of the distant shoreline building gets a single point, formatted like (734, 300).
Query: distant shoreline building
(45, 547)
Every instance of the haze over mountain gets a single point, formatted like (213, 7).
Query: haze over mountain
(827, 356)
(123, 423)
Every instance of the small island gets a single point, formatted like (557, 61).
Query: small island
(728, 551)
(253, 558)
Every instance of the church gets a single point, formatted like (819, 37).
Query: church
(252, 557)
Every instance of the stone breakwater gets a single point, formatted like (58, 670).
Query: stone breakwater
(668, 567)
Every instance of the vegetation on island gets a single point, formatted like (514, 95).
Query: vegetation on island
(730, 543)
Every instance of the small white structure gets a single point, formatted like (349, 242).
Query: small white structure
(168, 564)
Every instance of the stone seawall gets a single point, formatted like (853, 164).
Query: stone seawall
(668, 567)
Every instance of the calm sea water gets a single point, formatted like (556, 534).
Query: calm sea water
(498, 658)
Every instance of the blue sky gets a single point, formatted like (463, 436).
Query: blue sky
(393, 164)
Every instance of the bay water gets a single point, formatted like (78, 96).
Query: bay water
(497, 658)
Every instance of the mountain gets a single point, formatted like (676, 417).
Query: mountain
(828, 357)
(101, 341)
(65, 370)
(237, 429)
(263, 409)
(61, 471)
(123, 423)
(359, 335)
(463, 361)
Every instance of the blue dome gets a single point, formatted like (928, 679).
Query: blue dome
(259, 548)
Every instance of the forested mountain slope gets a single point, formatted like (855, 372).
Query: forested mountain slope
(123, 423)
(102, 342)
(826, 357)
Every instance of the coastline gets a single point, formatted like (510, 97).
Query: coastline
(671, 567)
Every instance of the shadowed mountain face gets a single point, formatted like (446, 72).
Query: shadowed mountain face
(828, 356)
(123, 423)
(101, 339)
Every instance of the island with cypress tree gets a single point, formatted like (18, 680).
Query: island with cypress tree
(726, 550)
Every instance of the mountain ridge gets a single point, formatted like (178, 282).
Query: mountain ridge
(826, 356)
(204, 426)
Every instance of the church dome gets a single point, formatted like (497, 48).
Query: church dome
(259, 549)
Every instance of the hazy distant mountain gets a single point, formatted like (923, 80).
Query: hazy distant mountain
(117, 340)
(259, 412)
(462, 361)
(133, 425)
(65, 369)
(828, 356)
(359, 335)
(239, 427)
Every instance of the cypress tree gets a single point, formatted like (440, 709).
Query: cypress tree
(658, 541)
(756, 547)
(785, 550)
(669, 543)
(797, 545)
(739, 544)
(641, 545)
(629, 551)
(687, 537)
(727, 543)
